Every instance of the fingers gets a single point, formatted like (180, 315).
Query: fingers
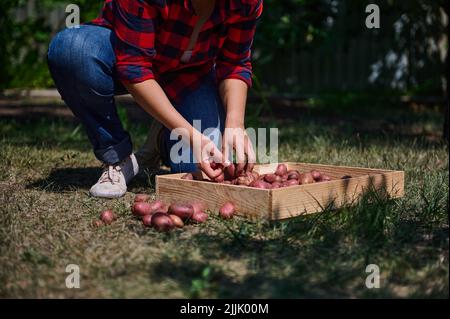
(251, 156)
(226, 153)
(205, 166)
(211, 154)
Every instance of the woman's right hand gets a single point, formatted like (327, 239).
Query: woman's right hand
(206, 152)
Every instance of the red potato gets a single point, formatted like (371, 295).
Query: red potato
(255, 175)
(143, 208)
(316, 175)
(141, 198)
(276, 185)
(306, 178)
(107, 216)
(293, 174)
(97, 223)
(198, 206)
(284, 178)
(214, 165)
(163, 209)
(188, 176)
(227, 210)
(230, 172)
(281, 170)
(291, 182)
(271, 178)
(182, 210)
(260, 184)
(199, 217)
(147, 220)
(177, 221)
(162, 222)
(244, 180)
(325, 178)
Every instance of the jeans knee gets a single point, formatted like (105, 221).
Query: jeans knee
(60, 48)
(82, 55)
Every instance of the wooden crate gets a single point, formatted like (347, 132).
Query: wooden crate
(282, 203)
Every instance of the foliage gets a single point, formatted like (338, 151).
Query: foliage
(410, 28)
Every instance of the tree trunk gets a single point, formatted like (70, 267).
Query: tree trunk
(445, 133)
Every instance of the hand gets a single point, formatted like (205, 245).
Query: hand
(206, 152)
(236, 139)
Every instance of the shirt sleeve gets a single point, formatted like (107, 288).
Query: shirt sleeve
(234, 58)
(134, 27)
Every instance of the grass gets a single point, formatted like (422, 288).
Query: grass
(46, 169)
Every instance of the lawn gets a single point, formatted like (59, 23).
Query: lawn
(46, 169)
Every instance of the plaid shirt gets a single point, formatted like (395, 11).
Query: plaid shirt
(152, 35)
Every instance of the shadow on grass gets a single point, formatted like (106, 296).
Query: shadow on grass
(317, 256)
(77, 178)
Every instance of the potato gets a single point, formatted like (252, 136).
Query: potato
(214, 165)
(188, 176)
(325, 178)
(270, 178)
(281, 170)
(276, 185)
(162, 222)
(255, 175)
(316, 175)
(107, 216)
(230, 172)
(163, 209)
(244, 180)
(293, 174)
(177, 221)
(141, 198)
(260, 184)
(227, 210)
(199, 217)
(291, 182)
(284, 178)
(143, 208)
(306, 178)
(198, 206)
(182, 210)
(97, 223)
(147, 220)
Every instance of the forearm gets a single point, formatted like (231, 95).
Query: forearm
(233, 93)
(150, 96)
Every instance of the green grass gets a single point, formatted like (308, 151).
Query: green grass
(46, 169)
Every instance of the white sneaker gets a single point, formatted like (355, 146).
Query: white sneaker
(113, 181)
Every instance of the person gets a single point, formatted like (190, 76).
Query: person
(182, 61)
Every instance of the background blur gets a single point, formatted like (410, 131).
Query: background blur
(305, 49)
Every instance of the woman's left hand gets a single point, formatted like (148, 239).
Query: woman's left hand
(235, 139)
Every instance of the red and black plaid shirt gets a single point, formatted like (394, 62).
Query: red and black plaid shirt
(152, 35)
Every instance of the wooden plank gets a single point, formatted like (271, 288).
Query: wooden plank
(307, 199)
(285, 202)
(250, 202)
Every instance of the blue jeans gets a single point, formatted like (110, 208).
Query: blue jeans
(81, 62)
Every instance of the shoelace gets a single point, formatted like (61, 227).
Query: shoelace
(111, 174)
